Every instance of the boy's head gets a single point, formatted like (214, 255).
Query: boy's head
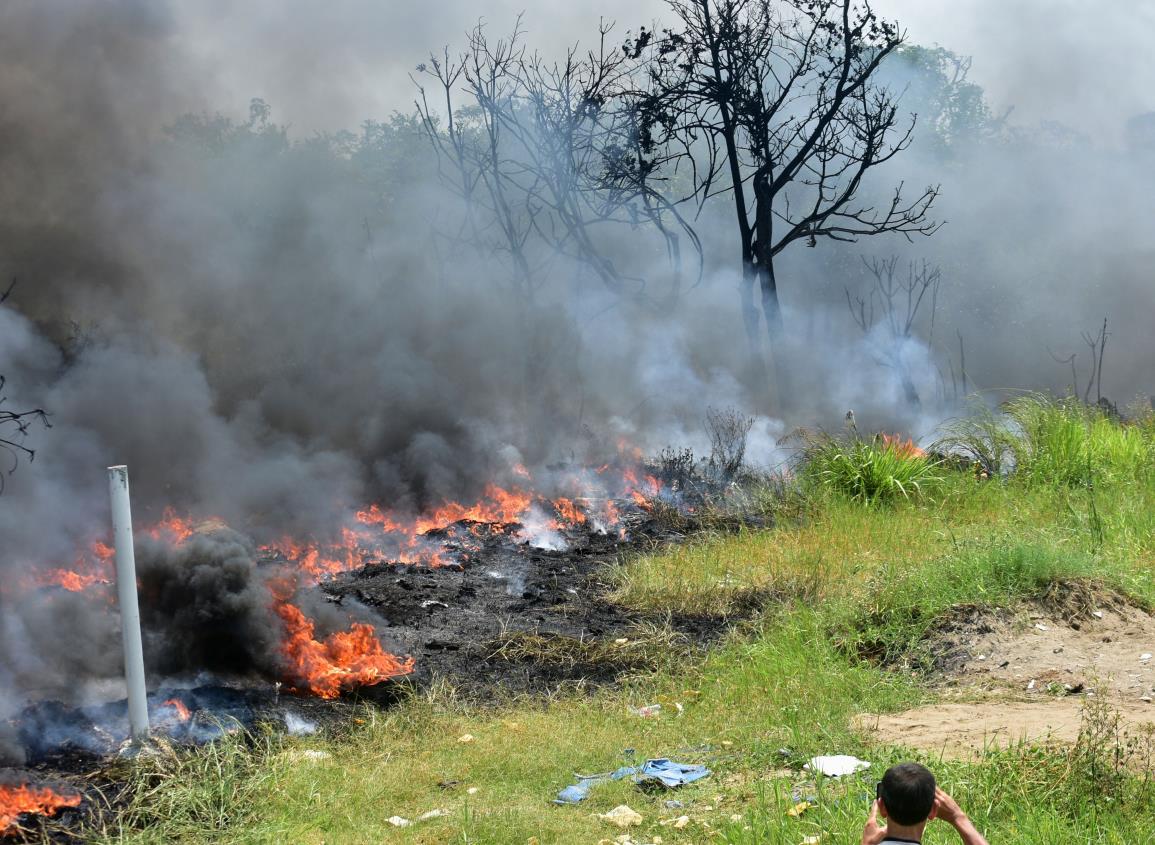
(907, 792)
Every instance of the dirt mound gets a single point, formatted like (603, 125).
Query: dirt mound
(1026, 672)
(1043, 649)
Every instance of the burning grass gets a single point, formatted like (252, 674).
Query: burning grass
(795, 680)
(22, 798)
(880, 470)
(854, 591)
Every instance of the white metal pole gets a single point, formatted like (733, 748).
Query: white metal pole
(129, 605)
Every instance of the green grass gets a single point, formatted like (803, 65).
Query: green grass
(849, 589)
(1065, 442)
(869, 471)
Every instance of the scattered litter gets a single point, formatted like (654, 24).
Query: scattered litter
(812, 840)
(982, 657)
(650, 711)
(432, 602)
(621, 641)
(401, 821)
(622, 816)
(314, 754)
(466, 738)
(836, 765)
(473, 790)
(1098, 614)
(1031, 685)
(1040, 626)
(666, 772)
(1145, 655)
(799, 808)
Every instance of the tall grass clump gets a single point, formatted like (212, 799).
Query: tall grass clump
(879, 470)
(984, 438)
(1065, 442)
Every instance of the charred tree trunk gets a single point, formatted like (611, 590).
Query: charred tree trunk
(910, 392)
(763, 268)
(758, 374)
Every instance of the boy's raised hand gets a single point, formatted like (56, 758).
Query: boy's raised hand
(873, 833)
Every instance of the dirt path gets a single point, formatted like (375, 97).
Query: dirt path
(1026, 675)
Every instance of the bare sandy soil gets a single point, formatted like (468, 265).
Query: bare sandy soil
(1027, 674)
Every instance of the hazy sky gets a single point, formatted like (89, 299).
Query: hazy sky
(1089, 65)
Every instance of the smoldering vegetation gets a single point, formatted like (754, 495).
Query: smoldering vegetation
(275, 327)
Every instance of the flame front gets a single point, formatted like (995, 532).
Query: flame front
(449, 533)
(179, 708)
(903, 448)
(16, 801)
(342, 661)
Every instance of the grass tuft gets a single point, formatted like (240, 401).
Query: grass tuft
(880, 470)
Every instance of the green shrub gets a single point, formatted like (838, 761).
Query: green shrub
(1065, 442)
(878, 470)
(982, 437)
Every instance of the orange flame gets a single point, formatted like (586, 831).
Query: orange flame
(182, 712)
(16, 801)
(569, 512)
(342, 661)
(171, 527)
(903, 448)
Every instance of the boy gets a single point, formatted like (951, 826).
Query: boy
(908, 798)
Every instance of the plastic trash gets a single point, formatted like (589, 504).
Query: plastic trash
(666, 772)
(836, 765)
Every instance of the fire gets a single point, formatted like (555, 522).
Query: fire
(72, 580)
(183, 714)
(342, 661)
(172, 527)
(498, 505)
(903, 448)
(569, 512)
(16, 801)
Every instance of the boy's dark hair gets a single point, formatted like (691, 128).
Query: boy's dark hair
(907, 790)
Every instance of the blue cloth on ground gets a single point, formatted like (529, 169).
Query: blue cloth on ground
(666, 772)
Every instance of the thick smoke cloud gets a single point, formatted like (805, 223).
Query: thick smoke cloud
(270, 334)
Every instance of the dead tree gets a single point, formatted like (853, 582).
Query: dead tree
(1098, 346)
(774, 102)
(888, 313)
(15, 425)
(546, 154)
(1097, 343)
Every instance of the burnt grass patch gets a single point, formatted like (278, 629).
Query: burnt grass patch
(523, 620)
